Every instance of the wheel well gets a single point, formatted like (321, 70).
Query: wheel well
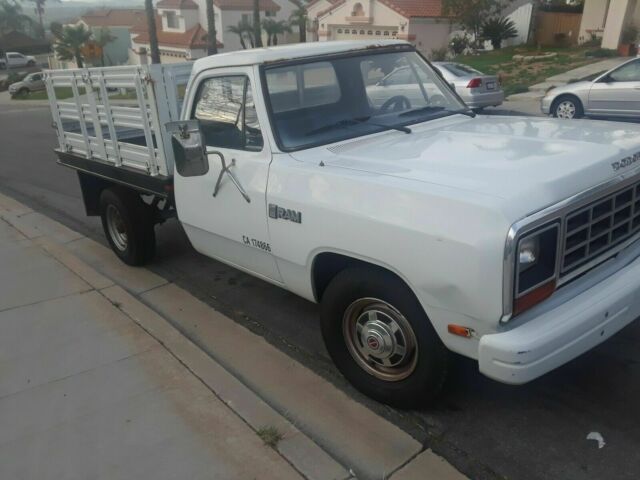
(563, 96)
(328, 264)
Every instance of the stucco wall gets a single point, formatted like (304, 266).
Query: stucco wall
(430, 34)
(620, 13)
(593, 17)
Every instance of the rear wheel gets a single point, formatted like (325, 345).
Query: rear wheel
(128, 224)
(380, 338)
(567, 107)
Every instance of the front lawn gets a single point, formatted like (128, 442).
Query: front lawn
(517, 76)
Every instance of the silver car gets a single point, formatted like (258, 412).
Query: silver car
(475, 88)
(31, 83)
(615, 93)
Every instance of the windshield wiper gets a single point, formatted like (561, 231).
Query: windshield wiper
(429, 108)
(356, 121)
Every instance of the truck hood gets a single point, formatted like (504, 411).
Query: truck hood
(529, 163)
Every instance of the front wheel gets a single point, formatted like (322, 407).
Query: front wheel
(381, 340)
(128, 224)
(567, 107)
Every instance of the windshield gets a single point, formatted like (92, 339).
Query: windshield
(326, 101)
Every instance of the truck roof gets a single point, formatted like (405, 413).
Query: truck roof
(256, 56)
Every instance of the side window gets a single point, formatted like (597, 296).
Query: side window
(400, 77)
(227, 113)
(628, 73)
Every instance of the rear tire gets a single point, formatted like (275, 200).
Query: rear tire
(31, 63)
(128, 224)
(380, 338)
(567, 107)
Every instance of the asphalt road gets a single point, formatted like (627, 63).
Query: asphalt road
(486, 429)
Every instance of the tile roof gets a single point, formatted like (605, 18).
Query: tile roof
(114, 17)
(195, 37)
(406, 8)
(178, 4)
(268, 5)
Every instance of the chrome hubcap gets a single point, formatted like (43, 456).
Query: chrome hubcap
(566, 110)
(116, 227)
(380, 339)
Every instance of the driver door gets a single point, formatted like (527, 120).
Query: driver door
(223, 211)
(617, 93)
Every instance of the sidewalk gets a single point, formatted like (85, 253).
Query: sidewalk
(86, 393)
(95, 383)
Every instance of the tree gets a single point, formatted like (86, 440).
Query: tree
(212, 37)
(244, 30)
(102, 39)
(273, 29)
(498, 29)
(471, 14)
(153, 33)
(299, 18)
(69, 43)
(39, 8)
(257, 30)
(12, 18)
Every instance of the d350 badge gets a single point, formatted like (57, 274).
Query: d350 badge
(626, 162)
(284, 213)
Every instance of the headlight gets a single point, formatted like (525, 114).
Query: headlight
(536, 268)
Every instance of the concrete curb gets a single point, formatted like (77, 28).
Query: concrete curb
(325, 434)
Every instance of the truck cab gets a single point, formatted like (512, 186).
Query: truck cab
(419, 227)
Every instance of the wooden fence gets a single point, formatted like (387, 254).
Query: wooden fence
(557, 29)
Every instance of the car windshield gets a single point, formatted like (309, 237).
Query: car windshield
(325, 101)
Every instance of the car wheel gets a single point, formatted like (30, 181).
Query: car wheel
(380, 338)
(128, 225)
(31, 63)
(567, 107)
(23, 92)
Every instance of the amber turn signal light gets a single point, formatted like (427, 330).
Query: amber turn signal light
(460, 331)
(534, 297)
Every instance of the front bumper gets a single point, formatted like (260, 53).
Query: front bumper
(545, 105)
(564, 332)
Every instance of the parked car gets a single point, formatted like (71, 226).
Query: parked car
(419, 228)
(615, 93)
(401, 82)
(31, 83)
(17, 60)
(475, 88)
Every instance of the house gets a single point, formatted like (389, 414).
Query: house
(421, 22)
(182, 27)
(607, 19)
(119, 22)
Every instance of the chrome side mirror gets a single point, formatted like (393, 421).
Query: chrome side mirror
(189, 149)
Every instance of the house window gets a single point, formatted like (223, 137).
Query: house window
(361, 32)
(386, 33)
(339, 30)
(370, 32)
(394, 33)
(269, 14)
(377, 32)
(172, 20)
(358, 10)
(247, 18)
(354, 32)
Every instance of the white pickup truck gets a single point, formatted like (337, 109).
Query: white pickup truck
(419, 227)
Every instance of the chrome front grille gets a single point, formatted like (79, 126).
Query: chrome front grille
(593, 230)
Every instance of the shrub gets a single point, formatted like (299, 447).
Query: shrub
(629, 34)
(439, 54)
(601, 53)
(498, 29)
(459, 44)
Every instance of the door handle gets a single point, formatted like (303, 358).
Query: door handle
(226, 169)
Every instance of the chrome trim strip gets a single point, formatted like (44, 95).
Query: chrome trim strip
(552, 225)
(549, 214)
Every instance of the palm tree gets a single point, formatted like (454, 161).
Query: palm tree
(39, 7)
(257, 30)
(153, 34)
(12, 18)
(241, 29)
(299, 17)
(102, 39)
(273, 29)
(69, 43)
(212, 38)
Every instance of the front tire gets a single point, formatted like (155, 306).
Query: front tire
(128, 224)
(567, 107)
(380, 338)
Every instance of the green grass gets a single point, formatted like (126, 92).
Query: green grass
(518, 76)
(61, 94)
